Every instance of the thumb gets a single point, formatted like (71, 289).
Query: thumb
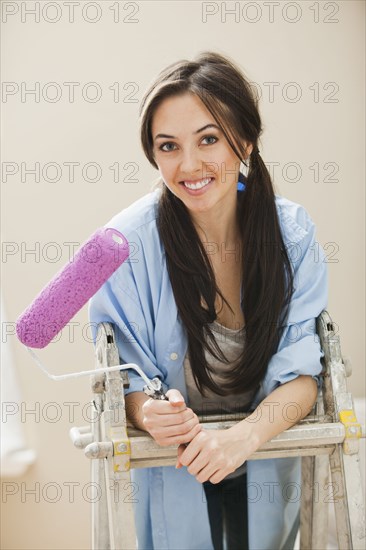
(175, 397)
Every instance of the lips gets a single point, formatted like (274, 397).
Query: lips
(197, 184)
(199, 187)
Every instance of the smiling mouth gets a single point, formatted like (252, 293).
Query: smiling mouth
(197, 185)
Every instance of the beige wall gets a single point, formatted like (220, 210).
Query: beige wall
(321, 54)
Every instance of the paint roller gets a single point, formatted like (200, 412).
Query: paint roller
(69, 290)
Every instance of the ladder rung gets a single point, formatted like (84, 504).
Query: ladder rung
(241, 416)
(300, 440)
(259, 455)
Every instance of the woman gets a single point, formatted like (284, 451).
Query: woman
(219, 300)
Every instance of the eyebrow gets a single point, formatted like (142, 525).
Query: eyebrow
(196, 132)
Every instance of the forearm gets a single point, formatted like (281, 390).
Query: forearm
(134, 402)
(280, 410)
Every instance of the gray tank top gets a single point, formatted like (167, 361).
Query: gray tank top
(231, 343)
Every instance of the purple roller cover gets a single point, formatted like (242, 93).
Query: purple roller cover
(69, 290)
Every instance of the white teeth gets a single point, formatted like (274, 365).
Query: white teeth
(198, 185)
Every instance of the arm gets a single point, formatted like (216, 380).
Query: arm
(213, 454)
(281, 409)
(168, 422)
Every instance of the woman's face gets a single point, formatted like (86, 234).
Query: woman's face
(195, 161)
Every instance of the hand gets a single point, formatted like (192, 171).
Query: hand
(213, 454)
(170, 422)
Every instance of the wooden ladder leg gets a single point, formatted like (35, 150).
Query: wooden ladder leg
(113, 516)
(348, 499)
(349, 504)
(100, 530)
(314, 505)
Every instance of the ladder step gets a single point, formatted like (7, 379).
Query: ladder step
(305, 440)
(259, 455)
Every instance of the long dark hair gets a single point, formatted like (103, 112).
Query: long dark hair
(267, 283)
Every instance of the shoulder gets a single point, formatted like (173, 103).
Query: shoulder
(143, 268)
(138, 216)
(138, 224)
(295, 222)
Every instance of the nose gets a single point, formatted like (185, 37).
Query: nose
(191, 164)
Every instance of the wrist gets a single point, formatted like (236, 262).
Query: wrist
(245, 433)
(134, 402)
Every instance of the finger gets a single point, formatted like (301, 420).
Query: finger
(153, 420)
(186, 438)
(175, 397)
(176, 419)
(210, 474)
(198, 464)
(194, 448)
(158, 407)
(181, 448)
(218, 476)
(174, 430)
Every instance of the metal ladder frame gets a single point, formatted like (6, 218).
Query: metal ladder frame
(327, 440)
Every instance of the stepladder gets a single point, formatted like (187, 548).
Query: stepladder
(327, 440)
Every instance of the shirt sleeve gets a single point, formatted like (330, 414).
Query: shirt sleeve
(299, 351)
(119, 302)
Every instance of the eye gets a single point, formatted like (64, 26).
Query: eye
(211, 137)
(161, 147)
(167, 143)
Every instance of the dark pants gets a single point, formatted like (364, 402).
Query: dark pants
(227, 505)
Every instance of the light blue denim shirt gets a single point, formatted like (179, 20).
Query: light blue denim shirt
(171, 509)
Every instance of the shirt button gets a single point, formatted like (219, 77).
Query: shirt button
(173, 356)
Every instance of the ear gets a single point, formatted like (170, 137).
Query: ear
(248, 149)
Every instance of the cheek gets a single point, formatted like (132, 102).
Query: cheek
(220, 159)
(167, 169)
(232, 165)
